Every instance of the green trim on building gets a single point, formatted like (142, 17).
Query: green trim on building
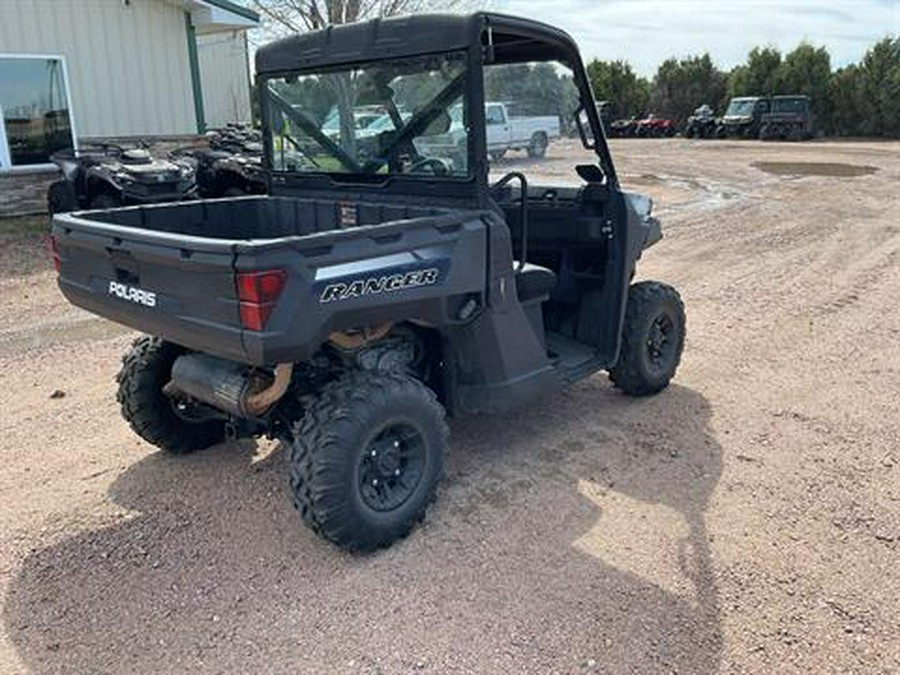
(235, 9)
(194, 61)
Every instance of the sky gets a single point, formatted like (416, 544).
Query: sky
(646, 32)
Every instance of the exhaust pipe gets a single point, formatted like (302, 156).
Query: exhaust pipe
(228, 386)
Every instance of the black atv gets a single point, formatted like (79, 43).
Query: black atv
(366, 297)
(622, 128)
(702, 124)
(106, 175)
(230, 165)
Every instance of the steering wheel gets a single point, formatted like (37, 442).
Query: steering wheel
(438, 166)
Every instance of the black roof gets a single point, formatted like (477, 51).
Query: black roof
(515, 39)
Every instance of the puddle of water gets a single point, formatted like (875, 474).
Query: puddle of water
(834, 169)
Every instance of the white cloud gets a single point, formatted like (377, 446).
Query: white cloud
(645, 32)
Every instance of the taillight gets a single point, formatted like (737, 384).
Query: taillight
(53, 250)
(257, 293)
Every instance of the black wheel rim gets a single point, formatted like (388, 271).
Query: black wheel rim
(661, 342)
(391, 467)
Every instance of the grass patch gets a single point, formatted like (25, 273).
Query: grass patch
(22, 249)
(16, 227)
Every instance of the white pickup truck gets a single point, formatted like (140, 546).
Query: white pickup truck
(505, 132)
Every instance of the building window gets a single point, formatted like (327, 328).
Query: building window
(36, 115)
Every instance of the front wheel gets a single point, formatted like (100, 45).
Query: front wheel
(61, 197)
(366, 459)
(652, 339)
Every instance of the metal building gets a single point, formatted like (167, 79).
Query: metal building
(74, 70)
(119, 68)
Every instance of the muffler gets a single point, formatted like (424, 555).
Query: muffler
(231, 387)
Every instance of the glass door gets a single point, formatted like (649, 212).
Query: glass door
(36, 116)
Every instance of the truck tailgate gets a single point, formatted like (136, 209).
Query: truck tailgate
(177, 287)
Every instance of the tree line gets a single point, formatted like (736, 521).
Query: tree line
(859, 99)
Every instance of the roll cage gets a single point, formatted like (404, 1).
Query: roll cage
(486, 38)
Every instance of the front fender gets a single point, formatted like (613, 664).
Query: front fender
(648, 229)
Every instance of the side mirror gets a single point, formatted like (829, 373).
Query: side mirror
(583, 122)
(590, 173)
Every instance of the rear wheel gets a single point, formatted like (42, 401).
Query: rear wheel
(366, 459)
(176, 427)
(497, 155)
(537, 148)
(652, 339)
(61, 197)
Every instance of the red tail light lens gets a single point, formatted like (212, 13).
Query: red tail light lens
(257, 293)
(260, 286)
(53, 250)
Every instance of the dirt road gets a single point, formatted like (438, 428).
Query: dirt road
(747, 520)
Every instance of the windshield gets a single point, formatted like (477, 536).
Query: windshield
(390, 117)
(789, 105)
(741, 107)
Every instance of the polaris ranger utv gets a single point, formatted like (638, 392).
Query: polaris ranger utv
(790, 119)
(371, 292)
(743, 117)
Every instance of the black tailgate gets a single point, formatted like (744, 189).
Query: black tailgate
(177, 287)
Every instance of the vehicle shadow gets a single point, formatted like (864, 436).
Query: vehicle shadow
(568, 537)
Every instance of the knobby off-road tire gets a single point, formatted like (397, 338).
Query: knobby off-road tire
(537, 148)
(366, 459)
(652, 339)
(146, 369)
(61, 197)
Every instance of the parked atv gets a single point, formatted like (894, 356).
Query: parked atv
(605, 112)
(367, 297)
(230, 165)
(105, 175)
(702, 124)
(653, 126)
(622, 128)
(790, 119)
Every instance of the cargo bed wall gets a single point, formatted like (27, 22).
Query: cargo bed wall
(259, 217)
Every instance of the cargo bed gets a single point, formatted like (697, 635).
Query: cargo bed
(171, 269)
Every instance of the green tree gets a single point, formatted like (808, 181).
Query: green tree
(682, 85)
(807, 70)
(845, 95)
(879, 89)
(616, 82)
(757, 77)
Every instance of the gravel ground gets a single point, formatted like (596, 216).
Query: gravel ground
(746, 520)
